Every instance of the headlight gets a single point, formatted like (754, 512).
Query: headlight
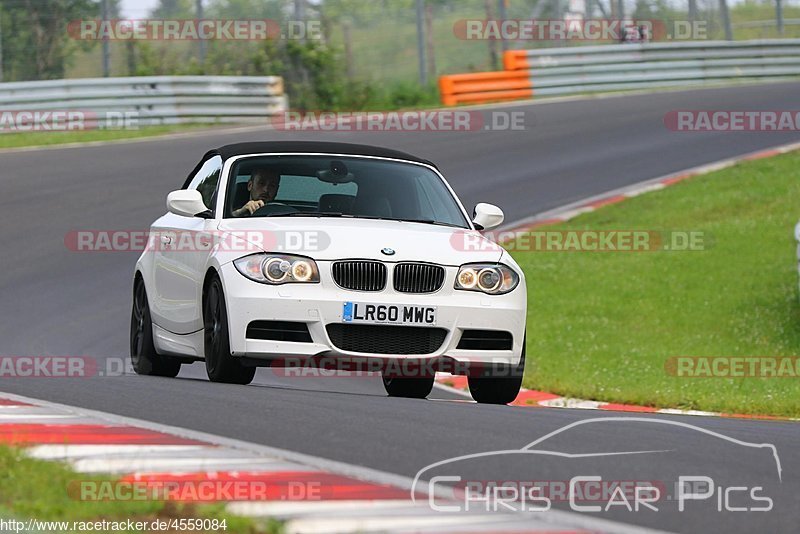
(278, 269)
(489, 278)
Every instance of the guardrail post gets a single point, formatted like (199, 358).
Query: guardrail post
(423, 70)
(501, 9)
(726, 19)
(1, 45)
(106, 49)
(201, 42)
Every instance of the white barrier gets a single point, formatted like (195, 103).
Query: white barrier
(153, 99)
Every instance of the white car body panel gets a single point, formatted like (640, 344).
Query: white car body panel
(319, 306)
(178, 274)
(178, 345)
(174, 282)
(364, 239)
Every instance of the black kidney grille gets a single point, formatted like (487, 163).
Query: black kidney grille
(418, 277)
(386, 339)
(360, 275)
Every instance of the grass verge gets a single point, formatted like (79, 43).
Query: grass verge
(31, 488)
(602, 325)
(40, 138)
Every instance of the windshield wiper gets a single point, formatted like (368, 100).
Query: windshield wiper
(371, 217)
(429, 221)
(310, 214)
(400, 219)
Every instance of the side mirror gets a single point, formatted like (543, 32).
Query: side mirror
(487, 216)
(187, 202)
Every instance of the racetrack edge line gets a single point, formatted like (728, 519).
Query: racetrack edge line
(560, 519)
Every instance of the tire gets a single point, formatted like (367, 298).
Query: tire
(144, 358)
(220, 365)
(411, 388)
(500, 384)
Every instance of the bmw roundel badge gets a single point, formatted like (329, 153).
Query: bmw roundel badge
(388, 251)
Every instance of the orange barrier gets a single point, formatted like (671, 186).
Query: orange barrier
(479, 87)
(515, 60)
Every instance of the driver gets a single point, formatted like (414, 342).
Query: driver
(263, 186)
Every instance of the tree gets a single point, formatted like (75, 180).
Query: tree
(36, 44)
(173, 9)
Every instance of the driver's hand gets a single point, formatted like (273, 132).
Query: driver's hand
(248, 209)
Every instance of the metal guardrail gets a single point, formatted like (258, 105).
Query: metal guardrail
(765, 23)
(582, 69)
(153, 99)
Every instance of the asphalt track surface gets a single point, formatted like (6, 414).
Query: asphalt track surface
(57, 302)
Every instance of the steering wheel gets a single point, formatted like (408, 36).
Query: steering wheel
(273, 208)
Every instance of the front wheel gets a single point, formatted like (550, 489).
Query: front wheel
(220, 365)
(144, 358)
(500, 384)
(412, 388)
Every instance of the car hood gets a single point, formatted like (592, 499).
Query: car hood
(331, 238)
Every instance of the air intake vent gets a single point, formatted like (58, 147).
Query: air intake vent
(418, 277)
(279, 331)
(360, 275)
(386, 339)
(485, 340)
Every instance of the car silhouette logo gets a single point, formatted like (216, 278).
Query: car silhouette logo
(388, 251)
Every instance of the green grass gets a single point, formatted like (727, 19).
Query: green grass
(37, 489)
(750, 12)
(41, 138)
(601, 325)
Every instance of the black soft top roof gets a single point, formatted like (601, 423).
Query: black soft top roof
(260, 147)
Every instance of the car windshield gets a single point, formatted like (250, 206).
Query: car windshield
(331, 186)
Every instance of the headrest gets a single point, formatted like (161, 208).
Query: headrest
(336, 203)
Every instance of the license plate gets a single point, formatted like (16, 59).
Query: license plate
(359, 312)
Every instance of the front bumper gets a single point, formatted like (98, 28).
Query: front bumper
(318, 305)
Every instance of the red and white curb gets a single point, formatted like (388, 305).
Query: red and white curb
(543, 399)
(345, 498)
(526, 397)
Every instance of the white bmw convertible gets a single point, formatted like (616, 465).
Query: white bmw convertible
(295, 251)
